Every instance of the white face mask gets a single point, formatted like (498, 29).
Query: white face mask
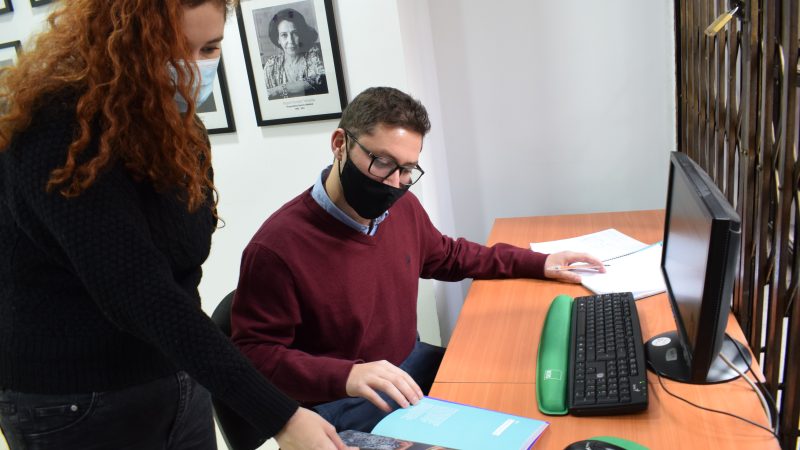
(204, 79)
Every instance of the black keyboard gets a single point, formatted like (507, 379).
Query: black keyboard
(607, 364)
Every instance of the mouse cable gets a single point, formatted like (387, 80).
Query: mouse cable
(761, 398)
(710, 409)
(775, 424)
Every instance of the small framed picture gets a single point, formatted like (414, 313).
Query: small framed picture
(40, 2)
(6, 6)
(216, 112)
(9, 52)
(292, 58)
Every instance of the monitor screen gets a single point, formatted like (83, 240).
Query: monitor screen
(699, 265)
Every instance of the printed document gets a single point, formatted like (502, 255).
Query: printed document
(631, 265)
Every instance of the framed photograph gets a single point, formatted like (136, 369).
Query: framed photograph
(6, 6)
(40, 2)
(9, 52)
(292, 58)
(216, 112)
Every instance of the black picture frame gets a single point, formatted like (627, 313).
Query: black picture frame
(40, 2)
(9, 52)
(321, 93)
(6, 6)
(215, 118)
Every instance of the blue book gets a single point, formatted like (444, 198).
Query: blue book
(460, 426)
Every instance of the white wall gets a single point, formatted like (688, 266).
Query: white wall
(19, 24)
(554, 107)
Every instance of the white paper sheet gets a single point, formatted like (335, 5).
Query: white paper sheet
(632, 265)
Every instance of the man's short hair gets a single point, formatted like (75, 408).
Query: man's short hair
(384, 105)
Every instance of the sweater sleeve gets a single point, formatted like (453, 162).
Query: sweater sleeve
(266, 314)
(448, 259)
(102, 237)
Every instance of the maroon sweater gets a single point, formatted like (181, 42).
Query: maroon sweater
(316, 296)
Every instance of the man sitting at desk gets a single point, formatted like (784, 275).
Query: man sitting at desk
(326, 302)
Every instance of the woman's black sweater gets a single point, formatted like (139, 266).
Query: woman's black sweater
(99, 292)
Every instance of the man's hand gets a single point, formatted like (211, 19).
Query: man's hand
(366, 378)
(307, 430)
(561, 259)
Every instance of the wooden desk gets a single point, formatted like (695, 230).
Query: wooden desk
(491, 357)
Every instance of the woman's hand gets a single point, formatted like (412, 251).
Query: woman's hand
(561, 259)
(307, 430)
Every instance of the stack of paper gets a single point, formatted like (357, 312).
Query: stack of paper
(631, 265)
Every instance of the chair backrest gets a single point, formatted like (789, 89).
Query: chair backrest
(222, 313)
(237, 432)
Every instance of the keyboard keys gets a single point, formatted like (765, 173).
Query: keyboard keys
(607, 356)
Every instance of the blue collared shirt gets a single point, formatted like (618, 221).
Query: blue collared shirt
(320, 195)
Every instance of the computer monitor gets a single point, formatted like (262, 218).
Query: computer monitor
(699, 261)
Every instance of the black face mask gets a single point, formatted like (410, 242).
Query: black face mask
(369, 198)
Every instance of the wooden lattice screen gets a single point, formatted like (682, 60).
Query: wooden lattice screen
(738, 118)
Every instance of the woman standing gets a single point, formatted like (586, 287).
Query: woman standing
(297, 69)
(107, 207)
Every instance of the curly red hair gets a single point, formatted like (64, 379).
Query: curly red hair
(115, 54)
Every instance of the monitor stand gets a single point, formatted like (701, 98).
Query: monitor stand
(665, 357)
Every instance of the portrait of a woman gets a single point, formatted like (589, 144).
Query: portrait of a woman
(297, 69)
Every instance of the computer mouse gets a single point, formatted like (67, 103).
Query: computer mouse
(592, 444)
(605, 443)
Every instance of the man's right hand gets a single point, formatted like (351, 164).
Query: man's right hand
(307, 430)
(367, 378)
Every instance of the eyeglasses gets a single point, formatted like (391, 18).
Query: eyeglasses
(383, 167)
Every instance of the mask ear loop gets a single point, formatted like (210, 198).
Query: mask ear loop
(339, 166)
(339, 160)
(339, 163)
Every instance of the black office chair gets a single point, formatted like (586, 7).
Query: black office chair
(237, 432)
